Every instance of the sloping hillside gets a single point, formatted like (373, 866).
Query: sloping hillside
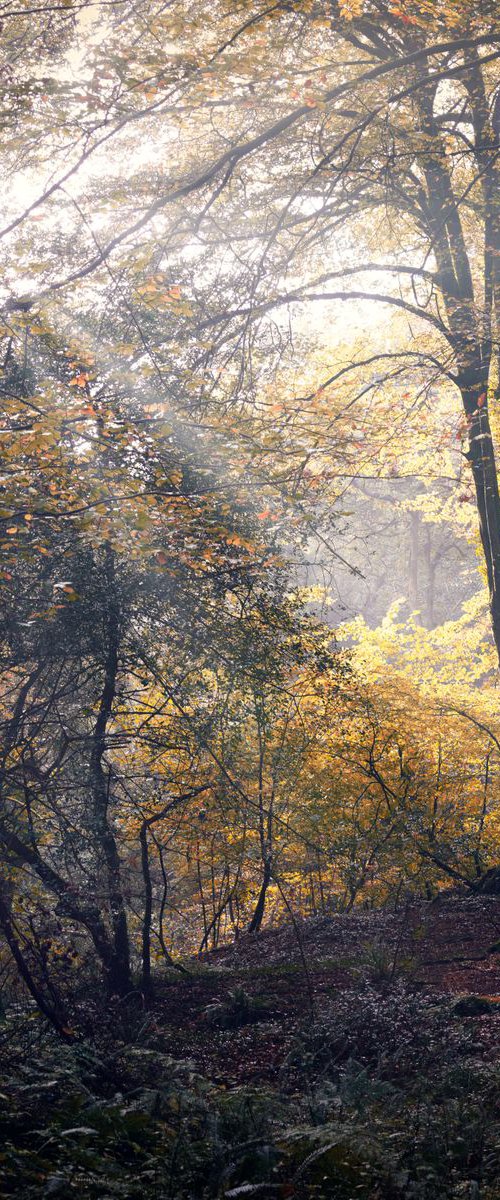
(304, 972)
(345, 1057)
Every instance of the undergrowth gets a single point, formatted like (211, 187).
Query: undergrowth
(382, 1097)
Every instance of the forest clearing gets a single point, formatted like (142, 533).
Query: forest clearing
(250, 599)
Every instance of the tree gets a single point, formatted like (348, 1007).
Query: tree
(178, 426)
(408, 132)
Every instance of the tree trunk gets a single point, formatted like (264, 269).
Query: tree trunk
(481, 456)
(470, 337)
(146, 920)
(258, 914)
(119, 977)
(55, 1015)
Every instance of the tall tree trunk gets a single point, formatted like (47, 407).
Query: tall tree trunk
(119, 968)
(148, 909)
(481, 456)
(470, 328)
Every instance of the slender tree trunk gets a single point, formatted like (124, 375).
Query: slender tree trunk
(258, 913)
(265, 826)
(146, 920)
(68, 904)
(201, 891)
(54, 1014)
(119, 968)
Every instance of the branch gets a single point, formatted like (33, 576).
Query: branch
(301, 297)
(381, 299)
(479, 724)
(236, 154)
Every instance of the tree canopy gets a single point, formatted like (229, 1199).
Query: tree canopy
(250, 516)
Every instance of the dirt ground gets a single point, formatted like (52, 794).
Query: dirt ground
(442, 948)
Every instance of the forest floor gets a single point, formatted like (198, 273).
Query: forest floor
(443, 948)
(343, 1057)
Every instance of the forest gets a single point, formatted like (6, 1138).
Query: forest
(250, 599)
